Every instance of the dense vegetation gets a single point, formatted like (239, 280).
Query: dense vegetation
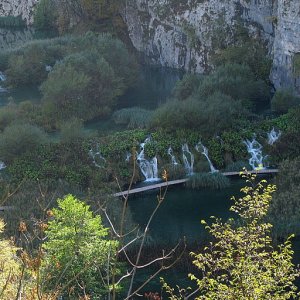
(80, 77)
(48, 153)
(74, 256)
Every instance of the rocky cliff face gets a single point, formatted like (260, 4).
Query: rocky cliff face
(184, 33)
(16, 8)
(286, 45)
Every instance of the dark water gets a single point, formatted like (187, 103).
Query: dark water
(181, 212)
(20, 94)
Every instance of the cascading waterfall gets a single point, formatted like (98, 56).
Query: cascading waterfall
(173, 158)
(188, 162)
(98, 160)
(2, 78)
(273, 136)
(254, 148)
(204, 151)
(148, 167)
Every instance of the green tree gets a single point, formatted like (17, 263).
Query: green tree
(209, 115)
(18, 139)
(78, 254)
(283, 100)
(185, 87)
(236, 81)
(45, 15)
(84, 86)
(241, 262)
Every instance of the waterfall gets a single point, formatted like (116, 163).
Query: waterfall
(254, 148)
(188, 163)
(97, 157)
(2, 165)
(204, 151)
(273, 136)
(148, 167)
(173, 158)
(48, 68)
(128, 156)
(2, 78)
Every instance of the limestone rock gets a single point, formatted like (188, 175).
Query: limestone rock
(16, 8)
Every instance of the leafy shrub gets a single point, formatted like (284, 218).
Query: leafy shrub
(283, 100)
(27, 64)
(17, 139)
(250, 52)
(134, 117)
(233, 144)
(209, 115)
(208, 180)
(8, 114)
(236, 81)
(186, 87)
(289, 122)
(45, 15)
(72, 131)
(287, 147)
(83, 85)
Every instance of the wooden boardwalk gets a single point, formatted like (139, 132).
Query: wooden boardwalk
(180, 181)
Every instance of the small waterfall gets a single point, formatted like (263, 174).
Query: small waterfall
(273, 136)
(188, 163)
(2, 165)
(148, 167)
(173, 158)
(128, 156)
(48, 68)
(2, 78)
(204, 151)
(254, 148)
(98, 160)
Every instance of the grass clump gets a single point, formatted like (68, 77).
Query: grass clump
(208, 180)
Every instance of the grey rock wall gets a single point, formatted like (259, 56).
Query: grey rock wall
(183, 33)
(16, 8)
(286, 44)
